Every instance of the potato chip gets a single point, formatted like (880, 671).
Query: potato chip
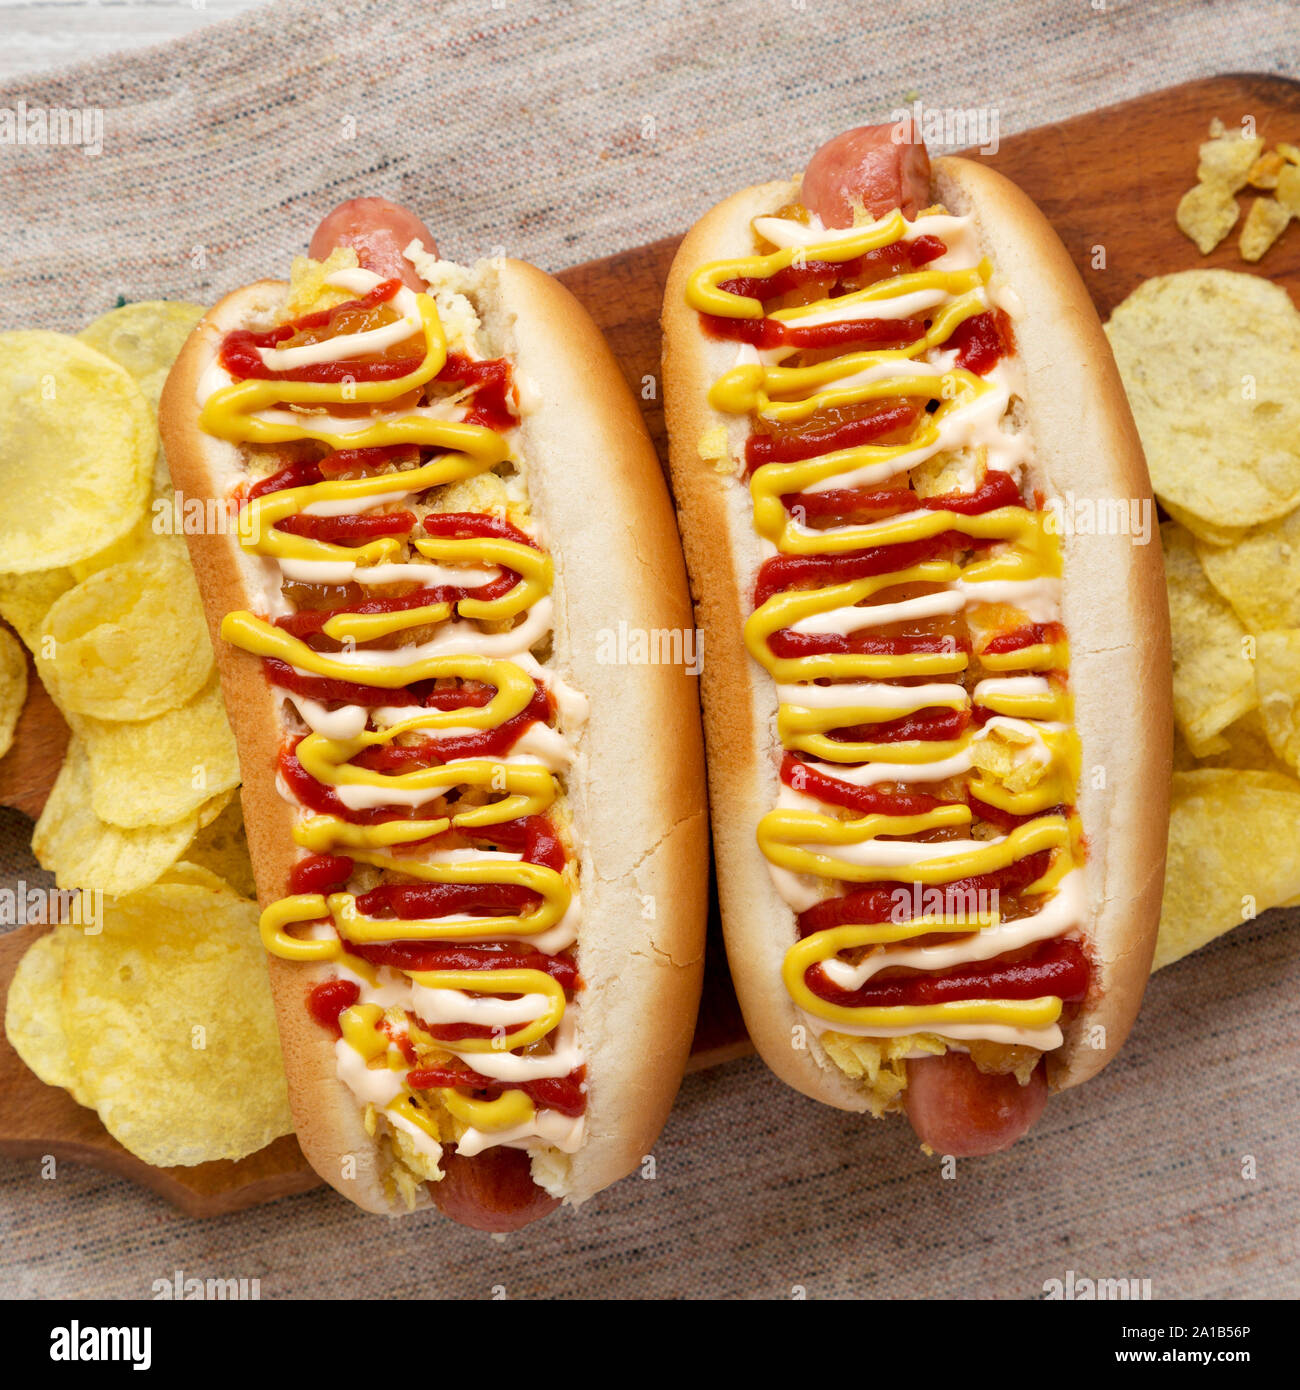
(130, 641)
(144, 337)
(195, 874)
(77, 449)
(151, 388)
(1227, 157)
(1234, 852)
(1185, 760)
(1259, 574)
(213, 807)
(222, 847)
(1210, 360)
(34, 1013)
(170, 1026)
(1206, 213)
(1264, 171)
(157, 770)
(1205, 530)
(1277, 679)
(13, 686)
(131, 546)
(1288, 189)
(1214, 681)
(1243, 744)
(308, 292)
(83, 852)
(25, 599)
(1265, 222)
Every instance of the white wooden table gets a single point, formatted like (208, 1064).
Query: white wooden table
(42, 34)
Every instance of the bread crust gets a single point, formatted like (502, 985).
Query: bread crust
(1114, 610)
(636, 788)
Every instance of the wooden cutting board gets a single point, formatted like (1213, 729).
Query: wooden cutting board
(1109, 181)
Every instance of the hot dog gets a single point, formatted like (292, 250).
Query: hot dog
(480, 850)
(937, 714)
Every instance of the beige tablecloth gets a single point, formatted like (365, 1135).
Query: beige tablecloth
(563, 132)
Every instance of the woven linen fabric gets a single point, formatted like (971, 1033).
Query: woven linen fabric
(562, 132)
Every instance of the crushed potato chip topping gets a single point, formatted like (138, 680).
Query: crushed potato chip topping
(1007, 754)
(308, 292)
(880, 1064)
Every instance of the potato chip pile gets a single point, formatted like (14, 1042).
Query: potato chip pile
(1211, 363)
(160, 1020)
(1231, 160)
(107, 605)
(143, 809)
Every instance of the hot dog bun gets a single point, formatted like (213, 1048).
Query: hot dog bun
(636, 789)
(1114, 613)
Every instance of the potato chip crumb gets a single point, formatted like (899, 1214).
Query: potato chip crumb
(1264, 171)
(412, 1160)
(1206, 213)
(308, 291)
(408, 1183)
(1009, 757)
(1265, 222)
(951, 470)
(1003, 1059)
(1288, 189)
(1226, 159)
(713, 448)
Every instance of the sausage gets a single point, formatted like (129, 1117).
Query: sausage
(957, 1109)
(379, 231)
(868, 167)
(492, 1191)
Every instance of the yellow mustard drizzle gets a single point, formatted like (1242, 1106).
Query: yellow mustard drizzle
(466, 450)
(806, 842)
